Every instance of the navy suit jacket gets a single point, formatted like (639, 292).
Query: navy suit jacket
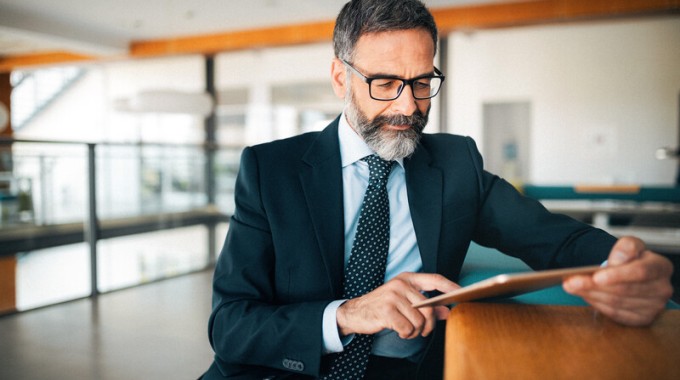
(282, 260)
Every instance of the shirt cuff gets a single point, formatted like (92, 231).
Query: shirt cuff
(331, 335)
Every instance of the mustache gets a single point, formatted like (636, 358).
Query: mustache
(416, 121)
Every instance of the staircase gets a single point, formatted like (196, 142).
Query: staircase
(34, 91)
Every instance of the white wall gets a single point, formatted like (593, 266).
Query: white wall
(604, 95)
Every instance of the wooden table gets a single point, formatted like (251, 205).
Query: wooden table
(514, 341)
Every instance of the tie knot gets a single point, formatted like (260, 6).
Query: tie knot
(378, 168)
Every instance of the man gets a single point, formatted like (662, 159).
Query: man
(289, 301)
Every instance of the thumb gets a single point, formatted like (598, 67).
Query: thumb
(625, 250)
(430, 281)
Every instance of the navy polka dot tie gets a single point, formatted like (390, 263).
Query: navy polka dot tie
(366, 268)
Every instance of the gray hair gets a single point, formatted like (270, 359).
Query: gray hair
(359, 17)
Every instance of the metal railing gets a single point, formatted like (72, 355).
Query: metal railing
(166, 184)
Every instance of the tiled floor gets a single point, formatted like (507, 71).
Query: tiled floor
(155, 331)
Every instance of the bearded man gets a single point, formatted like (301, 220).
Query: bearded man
(337, 233)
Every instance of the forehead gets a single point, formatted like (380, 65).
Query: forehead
(397, 52)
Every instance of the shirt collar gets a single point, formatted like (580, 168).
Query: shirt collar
(352, 147)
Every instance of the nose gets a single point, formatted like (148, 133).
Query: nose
(405, 104)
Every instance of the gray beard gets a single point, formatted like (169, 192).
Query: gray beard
(388, 144)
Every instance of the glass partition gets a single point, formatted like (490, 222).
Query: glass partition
(140, 258)
(52, 275)
(151, 218)
(147, 179)
(48, 183)
(146, 213)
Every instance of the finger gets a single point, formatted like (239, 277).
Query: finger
(655, 289)
(407, 322)
(393, 303)
(427, 313)
(625, 317)
(628, 304)
(625, 250)
(635, 316)
(578, 284)
(429, 282)
(431, 314)
(582, 285)
(441, 312)
(624, 301)
(649, 267)
(404, 326)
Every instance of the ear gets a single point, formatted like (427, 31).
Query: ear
(338, 78)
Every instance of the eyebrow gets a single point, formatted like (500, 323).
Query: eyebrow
(392, 76)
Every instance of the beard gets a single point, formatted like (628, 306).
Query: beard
(388, 144)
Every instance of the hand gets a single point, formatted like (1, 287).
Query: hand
(632, 289)
(389, 307)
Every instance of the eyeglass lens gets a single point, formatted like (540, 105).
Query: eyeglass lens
(388, 88)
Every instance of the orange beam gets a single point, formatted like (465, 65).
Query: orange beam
(502, 14)
(8, 63)
(448, 19)
(247, 39)
(546, 11)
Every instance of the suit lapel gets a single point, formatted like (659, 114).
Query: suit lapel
(321, 178)
(424, 186)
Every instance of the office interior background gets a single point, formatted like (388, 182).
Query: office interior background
(118, 158)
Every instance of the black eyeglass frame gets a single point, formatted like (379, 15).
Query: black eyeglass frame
(404, 82)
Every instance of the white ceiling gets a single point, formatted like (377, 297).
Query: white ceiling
(106, 27)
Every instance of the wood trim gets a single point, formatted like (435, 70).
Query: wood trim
(8, 300)
(546, 11)
(247, 39)
(8, 63)
(608, 189)
(502, 14)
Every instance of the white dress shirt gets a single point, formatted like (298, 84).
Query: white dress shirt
(403, 256)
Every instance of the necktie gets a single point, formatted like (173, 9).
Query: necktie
(366, 268)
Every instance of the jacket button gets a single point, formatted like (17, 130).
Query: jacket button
(294, 365)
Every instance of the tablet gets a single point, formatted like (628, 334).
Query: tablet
(507, 285)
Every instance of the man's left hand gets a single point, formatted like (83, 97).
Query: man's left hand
(632, 289)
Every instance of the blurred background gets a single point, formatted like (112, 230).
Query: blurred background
(122, 122)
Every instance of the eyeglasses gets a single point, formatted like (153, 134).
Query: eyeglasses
(386, 88)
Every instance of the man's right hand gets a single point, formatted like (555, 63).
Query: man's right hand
(389, 307)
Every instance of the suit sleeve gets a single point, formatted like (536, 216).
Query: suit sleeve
(524, 228)
(249, 325)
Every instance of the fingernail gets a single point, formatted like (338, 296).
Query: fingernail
(618, 257)
(573, 284)
(600, 277)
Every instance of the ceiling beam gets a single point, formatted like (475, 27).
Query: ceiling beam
(498, 15)
(238, 40)
(10, 63)
(448, 20)
(470, 17)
